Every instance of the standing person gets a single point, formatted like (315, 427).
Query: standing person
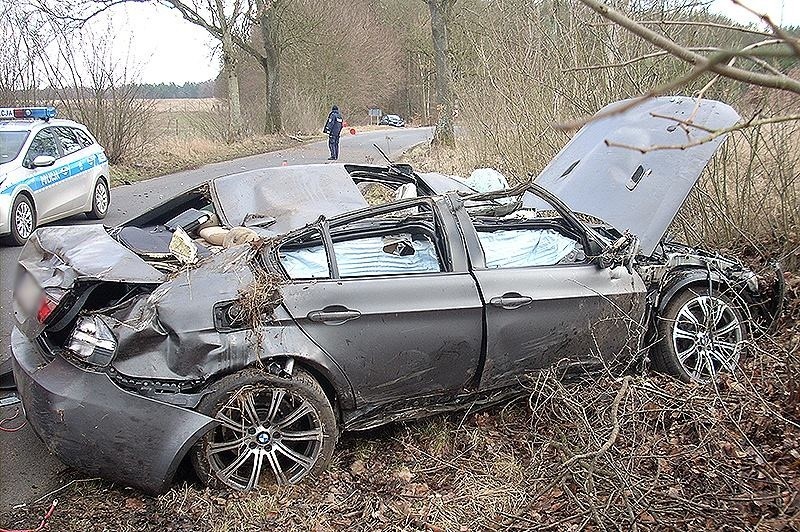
(333, 127)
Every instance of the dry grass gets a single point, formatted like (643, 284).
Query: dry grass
(640, 452)
(173, 155)
(187, 133)
(749, 196)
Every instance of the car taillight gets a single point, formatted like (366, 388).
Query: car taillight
(46, 307)
(48, 301)
(93, 341)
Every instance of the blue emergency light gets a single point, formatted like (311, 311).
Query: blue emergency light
(27, 113)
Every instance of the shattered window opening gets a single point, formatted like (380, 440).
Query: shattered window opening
(403, 241)
(529, 247)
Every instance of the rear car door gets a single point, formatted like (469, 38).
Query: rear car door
(546, 303)
(79, 184)
(389, 297)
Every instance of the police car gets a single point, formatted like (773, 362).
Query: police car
(49, 169)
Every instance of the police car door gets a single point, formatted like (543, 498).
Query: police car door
(77, 188)
(44, 181)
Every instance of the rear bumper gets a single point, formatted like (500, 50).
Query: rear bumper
(91, 424)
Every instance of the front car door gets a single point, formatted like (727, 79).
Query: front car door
(388, 295)
(546, 302)
(44, 181)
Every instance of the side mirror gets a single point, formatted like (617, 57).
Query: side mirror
(43, 160)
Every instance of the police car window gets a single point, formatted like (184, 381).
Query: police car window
(83, 138)
(11, 143)
(44, 143)
(68, 139)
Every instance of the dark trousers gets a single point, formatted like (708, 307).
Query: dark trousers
(333, 145)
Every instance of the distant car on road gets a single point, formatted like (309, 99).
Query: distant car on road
(49, 169)
(392, 120)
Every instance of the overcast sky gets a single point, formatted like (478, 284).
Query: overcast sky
(172, 50)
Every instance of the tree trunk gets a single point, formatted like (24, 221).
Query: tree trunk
(234, 105)
(440, 14)
(272, 68)
(229, 66)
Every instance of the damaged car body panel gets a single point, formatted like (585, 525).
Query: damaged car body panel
(261, 350)
(90, 424)
(290, 196)
(642, 183)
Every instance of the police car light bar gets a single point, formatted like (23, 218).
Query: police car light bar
(27, 113)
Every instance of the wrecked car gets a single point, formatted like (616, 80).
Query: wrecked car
(243, 325)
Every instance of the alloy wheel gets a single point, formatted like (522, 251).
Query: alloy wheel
(264, 429)
(101, 197)
(707, 337)
(23, 220)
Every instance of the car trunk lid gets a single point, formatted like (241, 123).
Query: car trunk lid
(56, 258)
(610, 171)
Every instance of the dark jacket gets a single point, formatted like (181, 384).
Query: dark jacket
(333, 126)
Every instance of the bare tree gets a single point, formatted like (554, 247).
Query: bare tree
(92, 86)
(440, 16)
(19, 54)
(221, 19)
(720, 61)
(232, 25)
(221, 22)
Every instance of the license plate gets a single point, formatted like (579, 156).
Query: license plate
(28, 294)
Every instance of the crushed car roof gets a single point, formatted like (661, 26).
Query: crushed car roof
(291, 195)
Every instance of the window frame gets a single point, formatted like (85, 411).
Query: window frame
(533, 225)
(566, 222)
(57, 132)
(27, 161)
(326, 228)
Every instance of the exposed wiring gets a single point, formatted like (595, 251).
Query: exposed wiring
(41, 524)
(11, 429)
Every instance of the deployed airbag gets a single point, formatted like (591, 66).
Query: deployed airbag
(364, 256)
(519, 248)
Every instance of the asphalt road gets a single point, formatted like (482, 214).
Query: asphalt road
(27, 469)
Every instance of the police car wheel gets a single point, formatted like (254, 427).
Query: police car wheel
(23, 220)
(101, 198)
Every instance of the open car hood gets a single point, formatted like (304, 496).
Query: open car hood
(631, 190)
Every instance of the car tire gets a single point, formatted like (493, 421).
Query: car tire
(101, 199)
(280, 445)
(701, 332)
(22, 221)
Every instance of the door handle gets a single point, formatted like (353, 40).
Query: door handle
(511, 301)
(333, 315)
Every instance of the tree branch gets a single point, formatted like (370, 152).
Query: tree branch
(708, 138)
(781, 82)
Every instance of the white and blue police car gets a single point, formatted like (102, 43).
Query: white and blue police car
(49, 169)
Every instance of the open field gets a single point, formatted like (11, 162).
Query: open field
(188, 133)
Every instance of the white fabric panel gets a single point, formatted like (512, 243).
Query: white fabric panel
(305, 263)
(362, 257)
(517, 248)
